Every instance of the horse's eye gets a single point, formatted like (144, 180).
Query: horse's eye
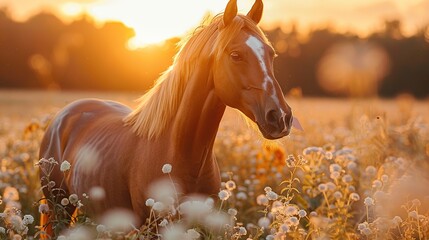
(236, 56)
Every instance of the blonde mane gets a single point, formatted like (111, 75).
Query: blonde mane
(158, 106)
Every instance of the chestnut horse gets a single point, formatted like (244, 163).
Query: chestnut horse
(229, 62)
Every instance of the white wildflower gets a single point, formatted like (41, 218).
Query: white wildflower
(79, 204)
(27, 219)
(302, 213)
(293, 221)
(192, 234)
(337, 195)
(284, 228)
(196, 208)
(366, 231)
(65, 166)
(354, 196)
(16, 222)
(335, 168)
(163, 223)
(369, 201)
(233, 212)
(413, 214)
(242, 231)
(65, 201)
(241, 196)
(230, 185)
(217, 220)
(101, 228)
(16, 237)
(2, 230)
(290, 161)
(272, 195)
(331, 186)
(347, 178)
(371, 170)
(377, 184)
(335, 175)
(416, 202)
(174, 232)
(150, 202)
(310, 150)
(158, 207)
(270, 237)
(97, 193)
(43, 208)
(362, 226)
(223, 195)
(209, 202)
(264, 222)
(166, 168)
(351, 166)
(397, 220)
(51, 184)
(291, 210)
(322, 187)
(73, 198)
(119, 220)
(262, 200)
(329, 155)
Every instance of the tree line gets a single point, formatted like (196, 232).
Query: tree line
(46, 53)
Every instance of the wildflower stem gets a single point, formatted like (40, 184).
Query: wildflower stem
(418, 225)
(400, 232)
(175, 192)
(367, 213)
(326, 199)
(292, 174)
(221, 204)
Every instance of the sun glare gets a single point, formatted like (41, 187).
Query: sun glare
(71, 9)
(152, 21)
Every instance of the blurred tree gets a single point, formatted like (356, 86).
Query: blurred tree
(44, 52)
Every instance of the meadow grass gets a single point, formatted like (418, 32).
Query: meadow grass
(359, 170)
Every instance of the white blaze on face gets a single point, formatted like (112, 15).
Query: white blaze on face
(259, 50)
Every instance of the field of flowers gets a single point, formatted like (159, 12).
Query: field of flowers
(359, 170)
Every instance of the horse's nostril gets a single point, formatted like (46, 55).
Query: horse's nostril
(271, 117)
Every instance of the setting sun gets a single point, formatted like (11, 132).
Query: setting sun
(158, 20)
(152, 22)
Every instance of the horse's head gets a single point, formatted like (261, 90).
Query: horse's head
(243, 72)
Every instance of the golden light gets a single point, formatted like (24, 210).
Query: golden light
(152, 21)
(353, 68)
(71, 9)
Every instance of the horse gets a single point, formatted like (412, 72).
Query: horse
(228, 62)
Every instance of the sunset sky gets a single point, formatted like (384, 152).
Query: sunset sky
(157, 20)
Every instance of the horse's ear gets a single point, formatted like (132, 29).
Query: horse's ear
(256, 12)
(230, 12)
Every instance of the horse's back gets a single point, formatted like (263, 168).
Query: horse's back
(75, 119)
(87, 133)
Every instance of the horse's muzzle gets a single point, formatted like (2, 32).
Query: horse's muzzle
(276, 124)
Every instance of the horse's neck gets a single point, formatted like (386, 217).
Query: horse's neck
(198, 117)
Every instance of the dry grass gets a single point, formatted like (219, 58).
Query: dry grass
(358, 171)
